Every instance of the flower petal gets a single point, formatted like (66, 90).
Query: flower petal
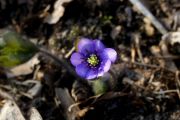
(111, 54)
(100, 72)
(85, 46)
(76, 59)
(105, 66)
(91, 74)
(82, 70)
(98, 45)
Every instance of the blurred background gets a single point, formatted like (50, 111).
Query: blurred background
(143, 84)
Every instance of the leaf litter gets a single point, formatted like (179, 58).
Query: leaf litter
(143, 84)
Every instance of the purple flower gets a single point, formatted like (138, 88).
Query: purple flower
(92, 59)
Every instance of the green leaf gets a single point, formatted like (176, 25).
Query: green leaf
(14, 50)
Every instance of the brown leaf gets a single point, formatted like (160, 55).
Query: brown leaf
(58, 12)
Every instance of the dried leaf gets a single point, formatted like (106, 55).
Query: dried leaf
(11, 111)
(58, 12)
(35, 90)
(174, 37)
(23, 69)
(169, 39)
(34, 114)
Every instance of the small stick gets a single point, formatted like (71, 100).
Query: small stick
(60, 61)
(166, 92)
(66, 101)
(137, 46)
(164, 50)
(167, 57)
(177, 83)
(5, 95)
(149, 15)
(70, 52)
(153, 66)
(133, 54)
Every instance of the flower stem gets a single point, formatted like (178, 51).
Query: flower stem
(99, 86)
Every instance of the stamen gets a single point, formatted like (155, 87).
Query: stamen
(93, 60)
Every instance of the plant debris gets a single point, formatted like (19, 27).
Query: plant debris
(142, 84)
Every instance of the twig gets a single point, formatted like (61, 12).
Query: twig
(153, 66)
(36, 72)
(137, 46)
(97, 98)
(133, 54)
(177, 83)
(131, 82)
(166, 92)
(164, 50)
(70, 52)
(151, 78)
(5, 95)
(149, 15)
(155, 50)
(177, 78)
(60, 60)
(167, 57)
(66, 101)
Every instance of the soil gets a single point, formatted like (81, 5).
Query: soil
(139, 87)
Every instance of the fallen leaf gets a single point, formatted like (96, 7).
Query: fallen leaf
(58, 12)
(34, 114)
(11, 111)
(23, 69)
